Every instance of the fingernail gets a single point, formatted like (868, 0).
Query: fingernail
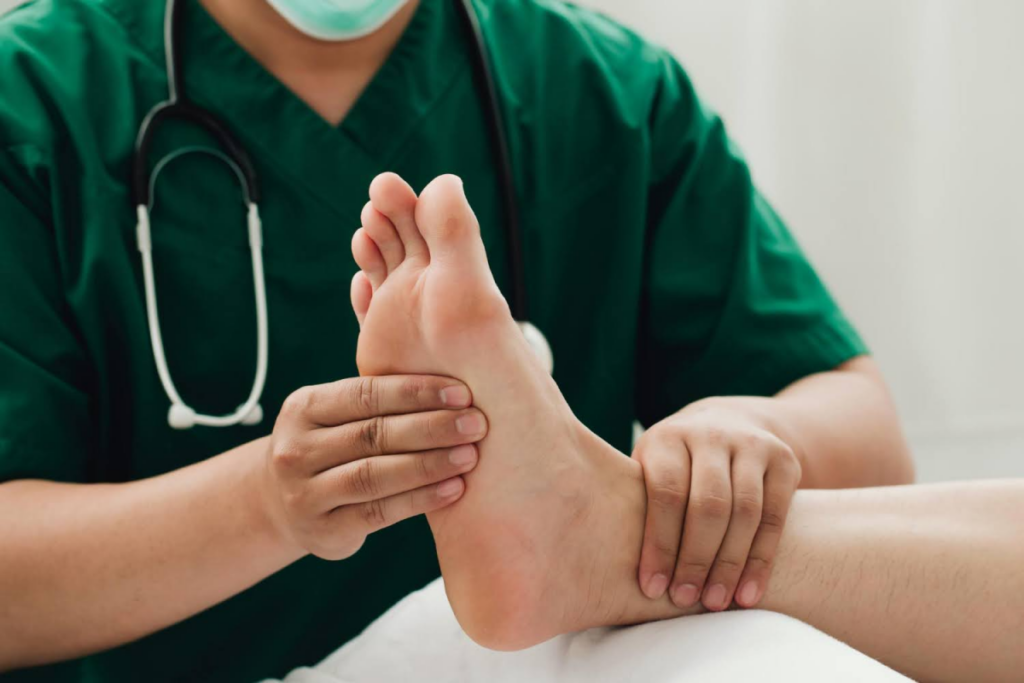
(656, 586)
(462, 456)
(447, 489)
(457, 396)
(470, 424)
(714, 598)
(748, 594)
(685, 595)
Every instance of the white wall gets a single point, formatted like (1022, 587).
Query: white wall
(888, 133)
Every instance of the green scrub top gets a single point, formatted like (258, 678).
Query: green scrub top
(657, 271)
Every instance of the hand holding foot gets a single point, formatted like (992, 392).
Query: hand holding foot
(349, 458)
(719, 485)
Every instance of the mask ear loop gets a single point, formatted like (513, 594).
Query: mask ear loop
(180, 415)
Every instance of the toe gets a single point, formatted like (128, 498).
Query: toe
(362, 292)
(446, 220)
(384, 235)
(369, 258)
(393, 197)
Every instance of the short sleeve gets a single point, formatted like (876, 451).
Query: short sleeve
(44, 404)
(731, 305)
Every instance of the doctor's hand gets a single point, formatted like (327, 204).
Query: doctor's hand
(354, 456)
(719, 484)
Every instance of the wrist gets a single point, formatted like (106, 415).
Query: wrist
(258, 497)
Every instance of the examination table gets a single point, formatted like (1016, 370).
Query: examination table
(419, 640)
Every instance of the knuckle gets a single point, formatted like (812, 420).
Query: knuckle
(440, 428)
(286, 454)
(426, 465)
(297, 403)
(790, 464)
(665, 549)
(714, 435)
(414, 390)
(667, 496)
(365, 480)
(374, 513)
(712, 506)
(695, 567)
(729, 565)
(663, 434)
(747, 441)
(758, 564)
(336, 542)
(782, 451)
(372, 435)
(747, 506)
(366, 395)
(772, 520)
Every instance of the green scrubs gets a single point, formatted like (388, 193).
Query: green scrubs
(657, 271)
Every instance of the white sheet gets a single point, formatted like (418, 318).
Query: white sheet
(419, 640)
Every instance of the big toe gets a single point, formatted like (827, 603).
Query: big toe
(447, 221)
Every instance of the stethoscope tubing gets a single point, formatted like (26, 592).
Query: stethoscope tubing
(177, 106)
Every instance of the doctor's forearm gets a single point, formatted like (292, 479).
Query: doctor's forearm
(86, 567)
(926, 578)
(843, 427)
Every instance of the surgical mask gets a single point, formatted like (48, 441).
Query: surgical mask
(337, 19)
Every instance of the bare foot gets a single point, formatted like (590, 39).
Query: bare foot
(546, 539)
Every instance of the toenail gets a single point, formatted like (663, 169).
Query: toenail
(685, 595)
(656, 586)
(457, 396)
(470, 424)
(462, 456)
(715, 597)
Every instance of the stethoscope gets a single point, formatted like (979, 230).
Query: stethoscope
(178, 106)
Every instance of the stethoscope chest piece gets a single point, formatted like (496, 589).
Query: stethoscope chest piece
(539, 344)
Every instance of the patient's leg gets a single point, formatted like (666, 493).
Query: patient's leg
(928, 579)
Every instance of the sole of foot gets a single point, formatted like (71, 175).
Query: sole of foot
(546, 539)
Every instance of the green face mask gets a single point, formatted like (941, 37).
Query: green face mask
(337, 19)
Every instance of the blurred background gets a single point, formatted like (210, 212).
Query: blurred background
(889, 135)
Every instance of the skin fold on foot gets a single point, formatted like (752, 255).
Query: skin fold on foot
(547, 537)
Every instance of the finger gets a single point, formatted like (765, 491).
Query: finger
(368, 258)
(707, 518)
(747, 497)
(359, 398)
(374, 515)
(392, 197)
(361, 293)
(667, 478)
(388, 475)
(394, 434)
(384, 235)
(779, 486)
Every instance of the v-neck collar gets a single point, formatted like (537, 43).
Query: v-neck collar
(225, 79)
